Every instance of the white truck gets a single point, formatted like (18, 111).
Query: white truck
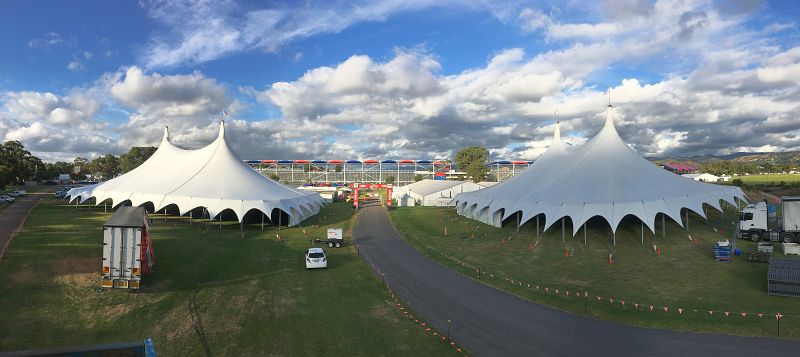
(127, 249)
(753, 224)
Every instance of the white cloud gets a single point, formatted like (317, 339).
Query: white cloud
(75, 66)
(176, 95)
(48, 40)
(202, 31)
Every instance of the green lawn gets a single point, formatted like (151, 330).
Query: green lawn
(253, 295)
(769, 179)
(685, 274)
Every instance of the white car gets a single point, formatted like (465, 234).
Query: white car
(315, 258)
(6, 199)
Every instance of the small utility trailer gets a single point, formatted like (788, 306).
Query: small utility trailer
(127, 249)
(335, 238)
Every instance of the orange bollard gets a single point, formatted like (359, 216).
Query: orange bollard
(659, 251)
(566, 252)
(530, 248)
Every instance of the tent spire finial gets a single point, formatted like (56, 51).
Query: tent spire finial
(609, 121)
(557, 133)
(166, 130)
(222, 123)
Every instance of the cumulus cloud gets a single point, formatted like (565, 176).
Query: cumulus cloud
(732, 90)
(724, 87)
(177, 95)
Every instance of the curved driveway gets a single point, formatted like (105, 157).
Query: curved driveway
(490, 322)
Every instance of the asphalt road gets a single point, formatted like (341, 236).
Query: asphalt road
(490, 322)
(13, 216)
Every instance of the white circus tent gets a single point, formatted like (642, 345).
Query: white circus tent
(211, 177)
(603, 177)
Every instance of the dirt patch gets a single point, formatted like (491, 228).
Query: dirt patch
(72, 265)
(281, 304)
(78, 279)
(26, 275)
(383, 312)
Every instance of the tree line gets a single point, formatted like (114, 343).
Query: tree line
(741, 168)
(18, 165)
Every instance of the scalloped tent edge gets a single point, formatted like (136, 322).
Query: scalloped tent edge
(212, 177)
(554, 188)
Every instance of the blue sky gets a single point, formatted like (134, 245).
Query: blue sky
(399, 79)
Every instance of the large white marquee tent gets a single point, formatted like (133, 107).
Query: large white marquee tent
(211, 177)
(603, 177)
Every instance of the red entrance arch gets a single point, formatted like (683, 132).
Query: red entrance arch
(357, 186)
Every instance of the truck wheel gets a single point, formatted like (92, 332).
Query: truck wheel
(338, 245)
(787, 238)
(754, 236)
(330, 244)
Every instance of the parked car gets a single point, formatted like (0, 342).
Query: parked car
(6, 198)
(315, 258)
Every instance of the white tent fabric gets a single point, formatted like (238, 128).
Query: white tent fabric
(603, 177)
(211, 177)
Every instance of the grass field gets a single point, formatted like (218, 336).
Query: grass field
(769, 179)
(253, 295)
(685, 274)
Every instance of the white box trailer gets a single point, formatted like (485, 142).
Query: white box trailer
(334, 239)
(127, 249)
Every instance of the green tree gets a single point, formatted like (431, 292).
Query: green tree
(477, 171)
(57, 168)
(105, 167)
(390, 179)
(21, 164)
(337, 168)
(418, 178)
(737, 182)
(135, 157)
(472, 160)
(5, 177)
(274, 177)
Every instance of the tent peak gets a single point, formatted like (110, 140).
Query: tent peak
(557, 133)
(222, 129)
(166, 133)
(609, 119)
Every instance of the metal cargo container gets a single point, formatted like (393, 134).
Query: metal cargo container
(127, 249)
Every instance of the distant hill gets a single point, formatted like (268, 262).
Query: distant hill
(786, 157)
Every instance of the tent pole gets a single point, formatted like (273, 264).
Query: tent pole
(614, 237)
(262, 221)
(563, 241)
(165, 214)
(220, 220)
(105, 208)
(642, 232)
(518, 213)
(687, 219)
(537, 226)
(663, 227)
(190, 218)
(584, 234)
(279, 219)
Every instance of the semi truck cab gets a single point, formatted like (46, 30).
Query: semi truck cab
(754, 217)
(753, 222)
